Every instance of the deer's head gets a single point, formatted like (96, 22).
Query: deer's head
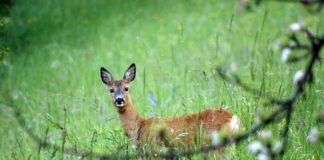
(119, 89)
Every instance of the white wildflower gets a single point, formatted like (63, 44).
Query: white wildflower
(216, 139)
(277, 146)
(265, 134)
(79, 157)
(255, 146)
(285, 54)
(172, 130)
(299, 75)
(233, 67)
(313, 135)
(134, 147)
(263, 156)
(295, 27)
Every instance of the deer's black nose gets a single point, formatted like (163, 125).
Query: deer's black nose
(119, 101)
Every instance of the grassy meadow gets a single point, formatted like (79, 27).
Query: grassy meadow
(55, 49)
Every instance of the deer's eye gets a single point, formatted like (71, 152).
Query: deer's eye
(126, 89)
(112, 90)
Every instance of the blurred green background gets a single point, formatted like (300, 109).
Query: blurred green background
(51, 52)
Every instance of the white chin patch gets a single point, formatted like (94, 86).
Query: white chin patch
(120, 105)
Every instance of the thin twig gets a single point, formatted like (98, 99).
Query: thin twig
(237, 81)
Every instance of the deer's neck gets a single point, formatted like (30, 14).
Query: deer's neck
(131, 120)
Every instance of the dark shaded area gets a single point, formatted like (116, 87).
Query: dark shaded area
(5, 6)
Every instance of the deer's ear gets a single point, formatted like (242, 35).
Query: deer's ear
(130, 73)
(106, 76)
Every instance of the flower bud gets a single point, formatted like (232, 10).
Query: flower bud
(285, 54)
(313, 135)
(299, 75)
(255, 147)
(265, 134)
(233, 67)
(263, 156)
(277, 146)
(295, 27)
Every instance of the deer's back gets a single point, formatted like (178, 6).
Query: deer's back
(183, 131)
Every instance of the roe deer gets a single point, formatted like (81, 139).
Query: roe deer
(181, 131)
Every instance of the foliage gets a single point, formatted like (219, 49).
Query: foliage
(59, 47)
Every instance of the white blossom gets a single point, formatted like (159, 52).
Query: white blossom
(313, 135)
(172, 130)
(285, 54)
(263, 156)
(299, 75)
(277, 146)
(265, 134)
(216, 139)
(134, 147)
(255, 146)
(233, 67)
(295, 27)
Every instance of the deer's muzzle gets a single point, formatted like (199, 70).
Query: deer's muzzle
(119, 102)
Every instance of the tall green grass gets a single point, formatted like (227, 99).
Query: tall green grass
(57, 48)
